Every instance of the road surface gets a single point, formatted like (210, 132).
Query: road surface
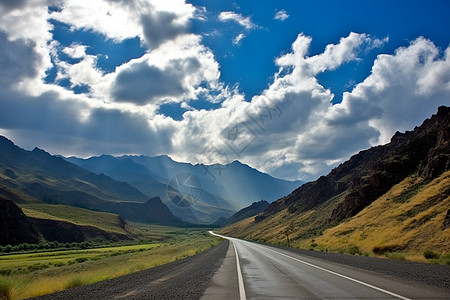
(263, 272)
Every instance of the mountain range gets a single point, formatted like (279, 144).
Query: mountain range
(138, 188)
(394, 197)
(215, 191)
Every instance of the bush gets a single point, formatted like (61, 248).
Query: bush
(387, 248)
(80, 259)
(353, 250)
(430, 254)
(5, 289)
(74, 282)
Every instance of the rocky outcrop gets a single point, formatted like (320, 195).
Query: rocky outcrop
(247, 212)
(15, 227)
(66, 232)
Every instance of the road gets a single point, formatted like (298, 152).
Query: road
(263, 272)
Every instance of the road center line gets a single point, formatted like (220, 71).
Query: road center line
(340, 275)
(239, 272)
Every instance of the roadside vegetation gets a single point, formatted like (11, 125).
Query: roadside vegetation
(29, 273)
(409, 222)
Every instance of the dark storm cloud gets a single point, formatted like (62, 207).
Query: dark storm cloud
(12, 4)
(18, 60)
(142, 83)
(48, 118)
(161, 27)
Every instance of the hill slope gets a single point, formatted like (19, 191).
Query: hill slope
(249, 211)
(34, 223)
(38, 177)
(412, 166)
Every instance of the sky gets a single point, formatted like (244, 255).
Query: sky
(292, 88)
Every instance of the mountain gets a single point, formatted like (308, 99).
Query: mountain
(15, 227)
(406, 181)
(221, 189)
(38, 177)
(250, 211)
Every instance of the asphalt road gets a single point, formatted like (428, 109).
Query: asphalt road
(274, 273)
(237, 269)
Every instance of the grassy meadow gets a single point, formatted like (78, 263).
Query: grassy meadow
(33, 274)
(76, 215)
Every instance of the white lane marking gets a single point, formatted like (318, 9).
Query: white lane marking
(340, 275)
(240, 278)
(239, 272)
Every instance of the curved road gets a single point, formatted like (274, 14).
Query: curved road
(264, 272)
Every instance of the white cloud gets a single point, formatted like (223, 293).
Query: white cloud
(177, 71)
(403, 89)
(155, 22)
(75, 51)
(237, 40)
(245, 22)
(281, 15)
(291, 129)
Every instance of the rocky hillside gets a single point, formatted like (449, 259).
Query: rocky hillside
(371, 173)
(32, 227)
(15, 227)
(418, 157)
(254, 209)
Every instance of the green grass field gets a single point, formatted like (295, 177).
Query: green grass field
(80, 216)
(35, 274)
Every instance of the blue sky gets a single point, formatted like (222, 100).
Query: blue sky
(292, 88)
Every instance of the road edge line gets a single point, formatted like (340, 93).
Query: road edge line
(242, 294)
(343, 276)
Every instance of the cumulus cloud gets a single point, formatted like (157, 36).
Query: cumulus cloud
(161, 27)
(292, 129)
(177, 71)
(141, 83)
(281, 15)
(403, 89)
(155, 22)
(12, 4)
(18, 60)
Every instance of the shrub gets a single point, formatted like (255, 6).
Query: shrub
(387, 248)
(74, 282)
(59, 264)
(80, 259)
(353, 250)
(430, 254)
(5, 289)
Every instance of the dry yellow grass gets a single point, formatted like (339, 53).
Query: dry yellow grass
(411, 226)
(407, 219)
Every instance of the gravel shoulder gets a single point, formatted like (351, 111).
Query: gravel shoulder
(184, 279)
